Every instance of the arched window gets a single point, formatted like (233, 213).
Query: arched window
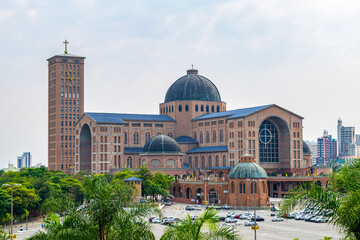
(196, 108)
(180, 192)
(207, 137)
(232, 187)
(253, 187)
(190, 162)
(115, 163)
(129, 162)
(147, 136)
(180, 108)
(253, 133)
(224, 161)
(218, 108)
(212, 108)
(294, 135)
(221, 136)
(136, 138)
(195, 136)
(196, 162)
(115, 139)
(201, 137)
(217, 161)
(249, 134)
(155, 163)
(167, 109)
(202, 161)
(186, 108)
(242, 187)
(207, 108)
(210, 161)
(214, 136)
(202, 108)
(298, 134)
(125, 137)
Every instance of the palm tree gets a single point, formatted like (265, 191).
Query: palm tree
(339, 200)
(194, 230)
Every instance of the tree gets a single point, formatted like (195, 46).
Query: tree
(124, 174)
(72, 189)
(339, 200)
(194, 230)
(5, 203)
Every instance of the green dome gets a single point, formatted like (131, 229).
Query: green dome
(248, 170)
(161, 144)
(192, 87)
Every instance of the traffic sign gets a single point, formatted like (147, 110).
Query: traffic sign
(205, 202)
(13, 236)
(255, 227)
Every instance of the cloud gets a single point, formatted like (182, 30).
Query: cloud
(5, 14)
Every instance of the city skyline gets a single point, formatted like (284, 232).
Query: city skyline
(282, 53)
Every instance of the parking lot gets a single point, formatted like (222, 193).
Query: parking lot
(286, 230)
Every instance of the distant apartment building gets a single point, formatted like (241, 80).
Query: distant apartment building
(24, 160)
(354, 150)
(326, 148)
(357, 139)
(314, 152)
(346, 136)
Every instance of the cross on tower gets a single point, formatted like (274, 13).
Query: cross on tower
(66, 43)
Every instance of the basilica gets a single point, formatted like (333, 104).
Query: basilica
(216, 155)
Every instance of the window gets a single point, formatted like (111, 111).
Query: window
(180, 108)
(195, 136)
(217, 161)
(218, 108)
(210, 161)
(190, 162)
(212, 108)
(196, 108)
(155, 163)
(136, 138)
(214, 136)
(196, 162)
(207, 108)
(224, 161)
(201, 137)
(202, 161)
(207, 137)
(268, 147)
(172, 108)
(125, 137)
(221, 136)
(186, 108)
(147, 136)
(202, 108)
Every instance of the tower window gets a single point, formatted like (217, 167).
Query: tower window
(186, 108)
(196, 108)
(180, 108)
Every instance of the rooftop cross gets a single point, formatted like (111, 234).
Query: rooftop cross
(66, 43)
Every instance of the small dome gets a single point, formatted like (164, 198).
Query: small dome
(185, 139)
(306, 149)
(192, 87)
(161, 144)
(247, 170)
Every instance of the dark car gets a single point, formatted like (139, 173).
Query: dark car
(168, 203)
(222, 219)
(189, 208)
(258, 219)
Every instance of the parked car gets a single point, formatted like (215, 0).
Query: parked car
(226, 207)
(156, 220)
(258, 219)
(300, 216)
(189, 208)
(230, 220)
(238, 215)
(198, 208)
(222, 219)
(168, 203)
(277, 219)
(250, 223)
(150, 219)
(293, 215)
(272, 214)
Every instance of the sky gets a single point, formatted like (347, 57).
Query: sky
(301, 55)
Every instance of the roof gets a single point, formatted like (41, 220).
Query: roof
(133, 150)
(192, 87)
(185, 139)
(122, 117)
(161, 144)
(239, 113)
(65, 55)
(223, 148)
(247, 170)
(132, 179)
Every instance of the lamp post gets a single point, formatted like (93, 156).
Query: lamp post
(254, 191)
(12, 211)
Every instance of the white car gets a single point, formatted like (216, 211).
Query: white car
(230, 220)
(277, 219)
(197, 208)
(250, 223)
(156, 220)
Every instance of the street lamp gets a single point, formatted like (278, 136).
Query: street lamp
(12, 212)
(254, 191)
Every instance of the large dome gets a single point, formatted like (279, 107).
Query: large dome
(161, 144)
(192, 87)
(247, 170)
